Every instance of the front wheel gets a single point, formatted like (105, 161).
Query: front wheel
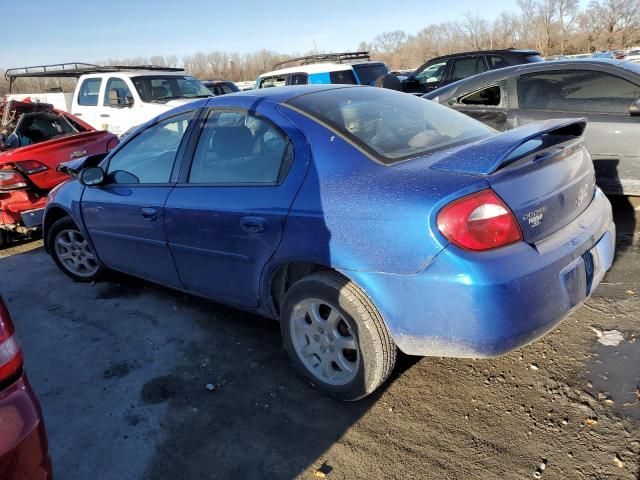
(335, 337)
(71, 251)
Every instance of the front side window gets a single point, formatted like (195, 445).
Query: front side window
(89, 92)
(576, 91)
(466, 67)
(389, 125)
(432, 73)
(239, 148)
(489, 96)
(162, 88)
(150, 155)
(343, 77)
(276, 81)
(117, 93)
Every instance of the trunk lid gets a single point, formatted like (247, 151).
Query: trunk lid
(542, 172)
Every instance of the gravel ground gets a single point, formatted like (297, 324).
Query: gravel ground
(139, 382)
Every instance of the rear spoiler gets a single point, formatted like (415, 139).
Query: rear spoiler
(490, 154)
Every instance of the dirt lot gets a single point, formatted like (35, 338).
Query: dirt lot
(122, 368)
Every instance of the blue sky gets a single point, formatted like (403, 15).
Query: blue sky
(89, 30)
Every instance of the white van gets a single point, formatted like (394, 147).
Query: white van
(115, 98)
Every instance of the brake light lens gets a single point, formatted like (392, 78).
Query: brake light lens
(11, 180)
(31, 166)
(10, 353)
(480, 221)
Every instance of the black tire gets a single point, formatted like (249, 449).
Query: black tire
(377, 351)
(4, 238)
(61, 225)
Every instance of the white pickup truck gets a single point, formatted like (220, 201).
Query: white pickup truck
(114, 98)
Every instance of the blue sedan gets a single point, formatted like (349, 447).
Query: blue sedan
(365, 220)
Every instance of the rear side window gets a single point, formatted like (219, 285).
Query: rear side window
(496, 61)
(466, 67)
(89, 92)
(240, 148)
(576, 91)
(489, 96)
(343, 77)
(150, 155)
(298, 79)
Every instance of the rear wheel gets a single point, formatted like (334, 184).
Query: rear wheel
(335, 336)
(71, 251)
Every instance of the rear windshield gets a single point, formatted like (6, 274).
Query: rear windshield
(162, 88)
(533, 58)
(388, 125)
(369, 72)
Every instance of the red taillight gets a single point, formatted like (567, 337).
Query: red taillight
(11, 179)
(31, 166)
(10, 354)
(481, 221)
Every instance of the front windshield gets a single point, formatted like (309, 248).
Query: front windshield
(161, 88)
(389, 125)
(368, 73)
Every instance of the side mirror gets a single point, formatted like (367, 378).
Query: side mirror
(128, 101)
(634, 109)
(92, 176)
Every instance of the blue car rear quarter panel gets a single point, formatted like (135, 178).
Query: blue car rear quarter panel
(468, 304)
(355, 214)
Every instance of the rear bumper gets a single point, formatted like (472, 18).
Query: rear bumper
(23, 443)
(467, 304)
(21, 209)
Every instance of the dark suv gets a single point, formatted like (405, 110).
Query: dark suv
(443, 70)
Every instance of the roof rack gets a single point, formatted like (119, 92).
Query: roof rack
(75, 70)
(323, 57)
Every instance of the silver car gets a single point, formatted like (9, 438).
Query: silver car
(605, 92)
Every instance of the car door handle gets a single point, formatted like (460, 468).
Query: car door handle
(149, 213)
(104, 115)
(254, 224)
(78, 114)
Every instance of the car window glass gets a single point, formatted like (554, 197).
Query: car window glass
(576, 91)
(466, 67)
(343, 77)
(238, 148)
(496, 61)
(298, 79)
(116, 93)
(390, 125)
(150, 155)
(89, 91)
(432, 73)
(278, 81)
(489, 96)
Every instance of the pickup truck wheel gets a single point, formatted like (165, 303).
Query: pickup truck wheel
(4, 238)
(335, 337)
(71, 251)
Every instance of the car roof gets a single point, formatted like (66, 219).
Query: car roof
(317, 68)
(289, 92)
(482, 79)
(138, 73)
(508, 51)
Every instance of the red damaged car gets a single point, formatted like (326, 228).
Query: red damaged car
(34, 139)
(24, 453)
